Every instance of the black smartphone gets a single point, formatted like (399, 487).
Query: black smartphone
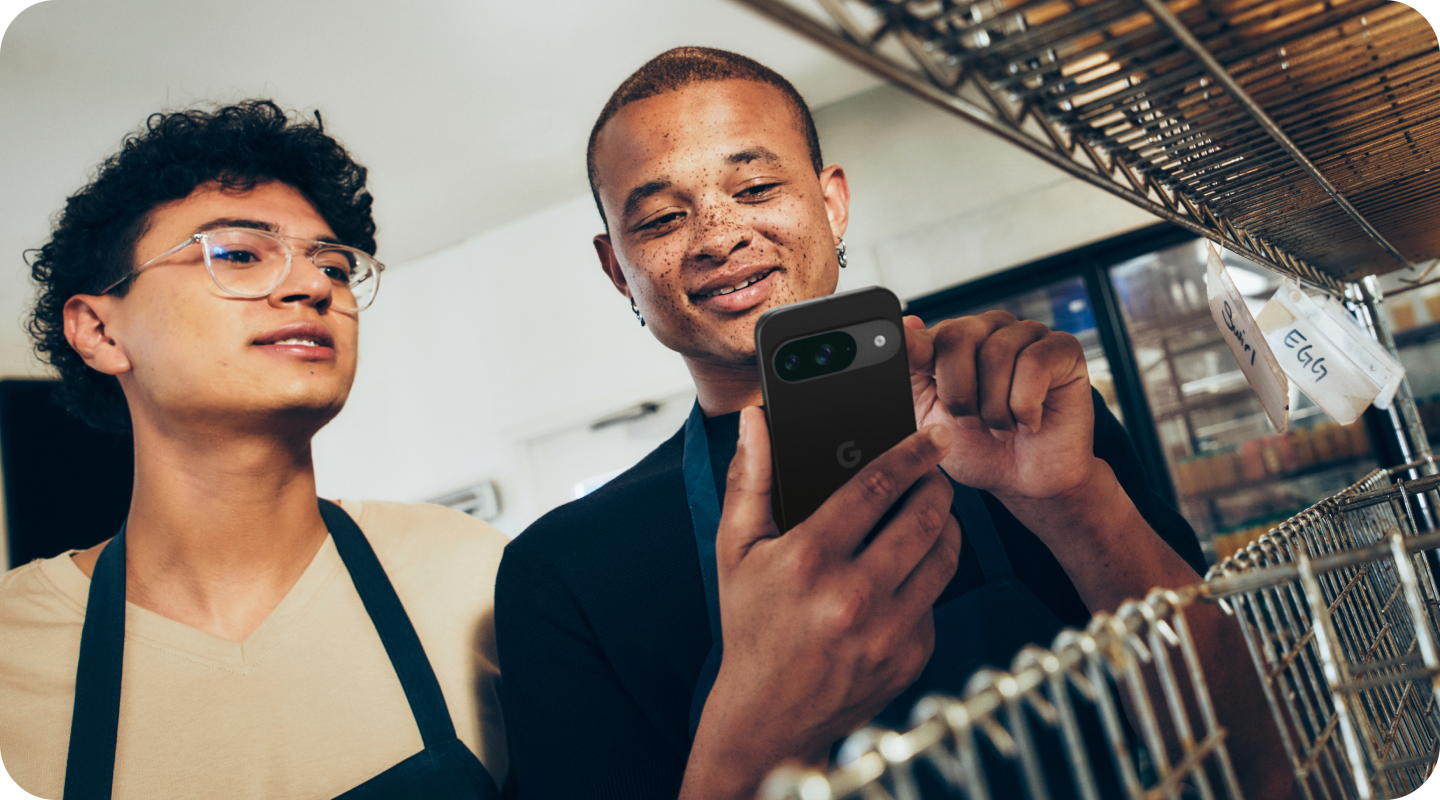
(837, 393)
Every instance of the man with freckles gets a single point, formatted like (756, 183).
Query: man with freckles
(717, 207)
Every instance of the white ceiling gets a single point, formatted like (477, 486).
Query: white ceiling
(469, 113)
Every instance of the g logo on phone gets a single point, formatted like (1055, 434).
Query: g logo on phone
(847, 454)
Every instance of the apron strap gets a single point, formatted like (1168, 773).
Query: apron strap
(705, 522)
(95, 721)
(704, 510)
(402, 644)
(969, 508)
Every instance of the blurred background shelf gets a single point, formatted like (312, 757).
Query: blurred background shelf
(1138, 306)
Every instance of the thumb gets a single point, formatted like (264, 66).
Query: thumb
(919, 346)
(747, 517)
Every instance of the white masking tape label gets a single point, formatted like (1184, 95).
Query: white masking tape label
(1325, 352)
(1247, 342)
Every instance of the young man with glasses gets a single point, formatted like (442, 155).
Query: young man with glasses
(717, 207)
(239, 637)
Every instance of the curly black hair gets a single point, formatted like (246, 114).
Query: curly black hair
(237, 147)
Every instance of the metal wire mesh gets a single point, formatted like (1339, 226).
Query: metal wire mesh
(1304, 135)
(1337, 609)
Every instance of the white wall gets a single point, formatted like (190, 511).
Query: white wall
(471, 352)
(936, 201)
(473, 355)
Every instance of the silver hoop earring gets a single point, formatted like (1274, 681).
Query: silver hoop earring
(840, 253)
(636, 309)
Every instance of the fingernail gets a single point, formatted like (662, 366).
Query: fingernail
(1002, 435)
(969, 423)
(743, 415)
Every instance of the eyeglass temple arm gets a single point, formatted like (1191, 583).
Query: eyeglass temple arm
(172, 251)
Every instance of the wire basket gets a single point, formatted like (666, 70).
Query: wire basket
(1336, 606)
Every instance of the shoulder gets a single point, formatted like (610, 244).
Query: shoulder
(634, 502)
(426, 539)
(46, 589)
(40, 625)
(423, 525)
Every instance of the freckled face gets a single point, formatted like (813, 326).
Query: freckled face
(716, 214)
(197, 353)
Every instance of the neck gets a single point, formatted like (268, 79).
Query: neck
(724, 388)
(221, 525)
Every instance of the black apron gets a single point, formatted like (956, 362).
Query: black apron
(444, 769)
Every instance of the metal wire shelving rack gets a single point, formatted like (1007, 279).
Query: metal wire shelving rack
(1300, 134)
(1337, 607)
(1305, 136)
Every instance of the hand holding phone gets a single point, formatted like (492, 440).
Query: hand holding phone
(820, 633)
(836, 382)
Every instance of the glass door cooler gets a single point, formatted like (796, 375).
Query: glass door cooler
(1139, 307)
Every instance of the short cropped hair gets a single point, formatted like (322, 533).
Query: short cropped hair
(681, 67)
(93, 243)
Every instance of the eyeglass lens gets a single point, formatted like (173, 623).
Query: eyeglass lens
(252, 263)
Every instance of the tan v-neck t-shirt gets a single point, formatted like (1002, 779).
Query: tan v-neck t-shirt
(307, 707)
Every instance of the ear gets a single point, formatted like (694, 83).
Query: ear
(605, 249)
(835, 190)
(86, 317)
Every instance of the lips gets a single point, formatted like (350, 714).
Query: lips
(736, 291)
(309, 341)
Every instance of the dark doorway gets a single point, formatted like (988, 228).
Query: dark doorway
(67, 485)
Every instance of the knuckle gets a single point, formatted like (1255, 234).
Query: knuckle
(879, 484)
(948, 339)
(998, 317)
(929, 518)
(1033, 328)
(797, 565)
(843, 613)
(1068, 342)
(1004, 344)
(1059, 343)
(954, 331)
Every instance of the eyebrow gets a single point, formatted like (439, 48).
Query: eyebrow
(750, 154)
(232, 222)
(256, 225)
(639, 194)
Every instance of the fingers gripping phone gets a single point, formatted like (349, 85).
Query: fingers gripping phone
(836, 382)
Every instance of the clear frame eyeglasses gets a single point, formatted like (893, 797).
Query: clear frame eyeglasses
(248, 262)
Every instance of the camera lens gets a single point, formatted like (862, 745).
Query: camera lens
(792, 361)
(822, 356)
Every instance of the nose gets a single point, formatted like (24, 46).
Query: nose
(305, 284)
(719, 231)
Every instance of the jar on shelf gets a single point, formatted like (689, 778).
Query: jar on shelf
(1304, 448)
(1252, 460)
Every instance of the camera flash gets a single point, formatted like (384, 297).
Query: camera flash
(879, 341)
